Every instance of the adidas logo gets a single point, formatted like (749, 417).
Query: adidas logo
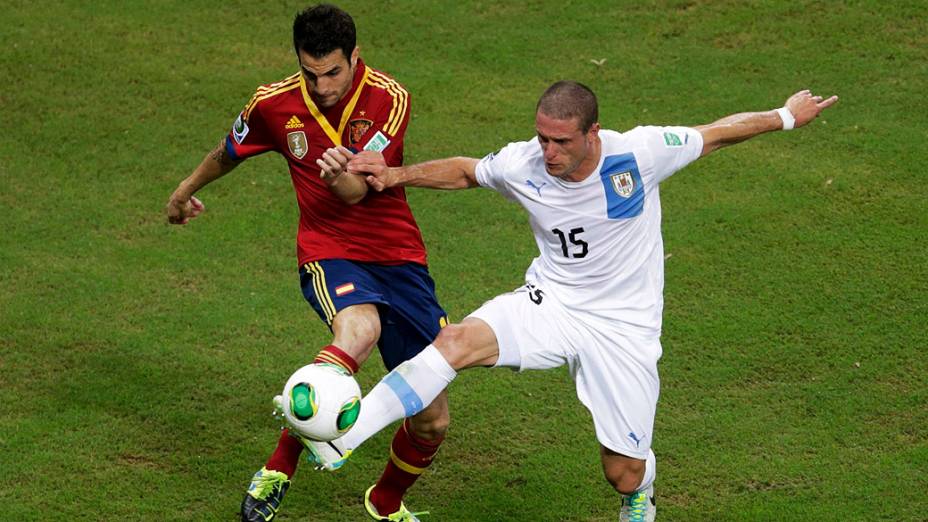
(294, 123)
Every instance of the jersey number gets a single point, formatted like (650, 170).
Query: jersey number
(574, 240)
(535, 294)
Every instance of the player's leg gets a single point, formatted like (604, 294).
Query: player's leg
(414, 446)
(491, 336)
(411, 318)
(355, 323)
(356, 329)
(617, 381)
(633, 479)
(414, 384)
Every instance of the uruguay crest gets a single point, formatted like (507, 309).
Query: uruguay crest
(623, 183)
(297, 143)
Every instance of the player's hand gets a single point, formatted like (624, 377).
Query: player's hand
(180, 210)
(334, 163)
(373, 166)
(806, 107)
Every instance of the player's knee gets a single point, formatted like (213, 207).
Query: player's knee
(452, 343)
(357, 330)
(467, 344)
(626, 477)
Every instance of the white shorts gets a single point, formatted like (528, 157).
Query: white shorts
(615, 374)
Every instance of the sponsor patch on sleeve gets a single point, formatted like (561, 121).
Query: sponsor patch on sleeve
(378, 143)
(672, 139)
(239, 129)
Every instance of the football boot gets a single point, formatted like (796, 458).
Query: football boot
(403, 515)
(638, 507)
(262, 500)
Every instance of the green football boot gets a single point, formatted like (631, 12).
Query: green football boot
(322, 455)
(403, 515)
(638, 507)
(262, 500)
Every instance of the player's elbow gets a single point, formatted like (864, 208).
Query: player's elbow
(352, 196)
(351, 199)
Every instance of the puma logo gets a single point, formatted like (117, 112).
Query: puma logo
(536, 187)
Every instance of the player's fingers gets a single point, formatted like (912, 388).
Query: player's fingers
(338, 158)
(375, 183)
(827, 103)
(332, 155)
(324, 169)
(197, 204)
(359, 165)
(346, 152)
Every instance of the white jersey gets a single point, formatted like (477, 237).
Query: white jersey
(601, 252)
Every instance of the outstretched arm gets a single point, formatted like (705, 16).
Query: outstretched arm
(802, 107)
(447, 174)
(182, 206)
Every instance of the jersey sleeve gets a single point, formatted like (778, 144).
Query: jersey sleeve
(670, 148)
(388, 130)
(249, 135)
(491, 171)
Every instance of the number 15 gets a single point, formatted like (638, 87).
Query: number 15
(574, 232)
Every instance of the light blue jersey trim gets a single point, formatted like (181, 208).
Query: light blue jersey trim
(623, 186)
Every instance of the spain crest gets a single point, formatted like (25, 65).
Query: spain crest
(623, 183)
(357, 129)
(297, 143)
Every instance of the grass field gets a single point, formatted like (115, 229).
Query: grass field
(137, 359)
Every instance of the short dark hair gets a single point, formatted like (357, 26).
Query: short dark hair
(567, 99)
(321, 29)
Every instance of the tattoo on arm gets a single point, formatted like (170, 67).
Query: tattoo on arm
(220, 156)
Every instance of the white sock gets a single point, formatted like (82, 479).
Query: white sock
(404, 392)
(650, 471)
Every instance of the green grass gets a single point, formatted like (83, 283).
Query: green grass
(137, 359)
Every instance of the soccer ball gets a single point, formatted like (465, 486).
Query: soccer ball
(321, 401)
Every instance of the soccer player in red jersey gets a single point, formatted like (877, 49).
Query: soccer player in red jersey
(361, 256)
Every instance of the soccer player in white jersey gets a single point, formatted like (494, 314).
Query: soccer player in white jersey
(594, 295)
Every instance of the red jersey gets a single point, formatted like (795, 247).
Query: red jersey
(372, 115)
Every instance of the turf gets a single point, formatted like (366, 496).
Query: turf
(137, 359)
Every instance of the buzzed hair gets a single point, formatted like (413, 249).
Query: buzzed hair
(566, 100)
(323, 28)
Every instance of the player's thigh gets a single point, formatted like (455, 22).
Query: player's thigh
(347, 299)
(411, 316)
(356, 329)
(617, 381)
(332, 285)
(532, 330)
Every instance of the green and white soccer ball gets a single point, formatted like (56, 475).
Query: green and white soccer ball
(321, 401)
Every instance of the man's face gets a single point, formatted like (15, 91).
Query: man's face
(328, 78)
(564, 144)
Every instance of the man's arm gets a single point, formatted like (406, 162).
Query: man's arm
(446, 174)
(350, 188)
(182, 206)
(802, 106)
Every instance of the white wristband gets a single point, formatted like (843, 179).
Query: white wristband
(788, 120)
